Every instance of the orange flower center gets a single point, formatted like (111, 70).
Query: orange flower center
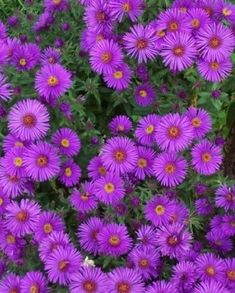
(173, 26)
(14, 290)
(206, 157)
(29, 120)
(208, 10)
(160, 210)
(142, 163)
(210, 271)
(63, 265)
(52, 81)
(126, 7)
(102, 170)
(85, 196)
(35, 288)
(22, 62)
(143, 93)
(161, 33)
(118, 74)
(142, 44)
(68, 172)
(22, 216)
(144, 263)
(173, 132)
(178, 51)
(214, 42)
(214, 65)
(89, 287)
(109, 187)
(47, 228)
(106, 57)
(114, 240)
(119, 156)
(10, 239)
(196, 122)
(173, 240)
(149, 129)
(18, 162)
(42, 161)
(231, 275)
(1, 201)
(56, 2)
(65, 143)
(18, 144)
(123, 288)
(195, 23)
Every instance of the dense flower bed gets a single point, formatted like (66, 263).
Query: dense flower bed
(116, 118)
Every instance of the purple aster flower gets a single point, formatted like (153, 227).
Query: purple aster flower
(228, 225)
(88, 234)
(67, 141)
(229, 273)
(89, 38)
(178, 51)
(13, 162)
(145, 261)
(48, 223)
(3, 31)
(219, 242)
(173, 240)
(56, 5)
(52, 81)
(119, 155)
(172, 21)
(21, 218)
(34, 282)
(203, 207)
(70, 173)
(125, 280)
(146, 129)
(210, 267)
(225, 197)
(45, 20)
(4, 201)
(50, 56)
(62, 263)
(120, 124)
(121, 8)
(140, 43)
(142, 72)
(52, 243)
(198, 19)
(206, 158)
(42, 161)
(184, 276)
(105, 56)
(225, 11)
(200, 188)
(215, 42)
(200, 120)
(25, 57)
(98, 16)
(10, 283)
(158, 210)
(215, 71)
(5, 89)
(212, 286)
(144, 166)
(216, 94)
(161, 286)
(65, 108)
(109, 189)
(208, 6)
(170, 169)
(4, 53)
(144, 95)
(146, 236)
(89, 279)
(180, 213)
(174, 133)
(96, 168)
(114, 240)
(13, 20)
(183, 6)
(28, 120)
(120, 77)
(10, 141)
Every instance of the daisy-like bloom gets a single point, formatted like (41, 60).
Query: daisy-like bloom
(34, 282)
(200, 120)
(144, 166)
(89, 38)
(178, 51)
(119, 155)
(45, 20)
(229, 273)
(215, 71)
(215, 42)
(89, 280)
(173, 240)
(180, 213)
(225, 11)
(170, 169)
(174, 133)
(225, 197)
(219, 242)
(172, 20)
(198, 19)
(209, 267)
(52, 243)
(42, 161)
(114, 240)
(106, 56)
(161, 286)
(11, 141)
(228, 225)
(212, 286)
(13, 162)
(4, 201)
(62, 263)
(50, 55)
(120, 77)
(125, 280)
(145, 260)
(28, 120)
(208, 7)
(140, 43)
(203, 207)
(10, 283)
(4, 53)
(56, 5)
(84, 200)
(121, 8)
(146, 129)
(120, 124)
(96, 168)
(183, 277)
(109, 189)
(21, 218)
(48, 223)
(52, 81)
(88, 234)
(5, 89)
(183, 6)
(206, 158)
(144, 95)
(98, 16)
(70, 173)
(146, 236)
(67, 141)
(158, 210)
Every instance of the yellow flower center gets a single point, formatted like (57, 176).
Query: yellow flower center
(109, 187)
(1, 201)
(35, 288)
(196, 122)
(114, 240)
(18, 162)
(22, 62)
(68, 172)
(52, 81)
(118, 74)
(14, 290)
(106, 57)
(143, 93)
(65, 143)
(42, 161)
(126, 7)
(85, 196)
(149, 129)
(119, 156)
(195, 23)
(206, 157)
(120, 128)
(226, 11)
(173, 26)
(47, 228)
(160, 210)
(10, 239)
(63, 265)
(170, 168)
(144, 263)
(210, 271)
(161, 33)
(102, 171)
(142, 163)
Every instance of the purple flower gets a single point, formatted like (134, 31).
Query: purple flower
(184, 275)
(34, 282)
(225, 197)
(183, 6)
(144, 95)
(120, 124)
(25, 57)
(140, 43)
(219, 242)
(213, 286)
(70, 173)
(203, 207)
(146, 236)
(144, 166)
(10, 283)
(56, 5)
(50, 56)
(5, 89)
(121, 8)
(96, 168)
(161, 286)
(229, 273)
(198, 19)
